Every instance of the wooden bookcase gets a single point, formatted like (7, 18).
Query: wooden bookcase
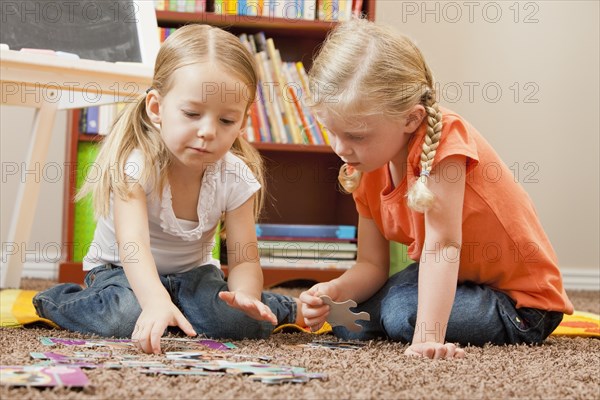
(301, 179)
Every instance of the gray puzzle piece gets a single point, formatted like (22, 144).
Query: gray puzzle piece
(340, 314)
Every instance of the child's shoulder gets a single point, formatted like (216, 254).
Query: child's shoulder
(134, 163)
(449, 116)
(234, 166)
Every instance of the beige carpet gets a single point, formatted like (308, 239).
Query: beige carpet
(562, 368)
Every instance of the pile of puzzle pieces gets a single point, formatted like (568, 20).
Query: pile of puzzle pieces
(202, 357)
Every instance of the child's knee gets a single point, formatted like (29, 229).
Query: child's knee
(398, 329)
(110, 312)
(398, 318)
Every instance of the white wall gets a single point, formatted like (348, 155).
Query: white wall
(550, 49)
(41, 253)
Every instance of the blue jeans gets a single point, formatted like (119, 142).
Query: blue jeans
(108, 307)
(479, 315)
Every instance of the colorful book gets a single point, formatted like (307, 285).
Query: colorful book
(305, 263)
(297, 230)
(287, 110)
(92, 121)
(312, 250)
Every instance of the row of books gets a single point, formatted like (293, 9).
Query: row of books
(180, 5)
(280, 113)
(97, 120)
(322, 10)
(306, 246)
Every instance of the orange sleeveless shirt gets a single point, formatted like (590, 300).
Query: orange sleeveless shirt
(503, 243)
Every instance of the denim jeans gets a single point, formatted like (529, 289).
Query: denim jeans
(479, 315)
(108, 307)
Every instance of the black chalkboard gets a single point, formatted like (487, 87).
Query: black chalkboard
(103, 30)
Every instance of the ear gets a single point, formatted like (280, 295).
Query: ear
(153, 106)
(414, 118)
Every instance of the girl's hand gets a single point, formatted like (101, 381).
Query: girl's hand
(250, 305)
(314, 310)
(153, 321)
(435, 350)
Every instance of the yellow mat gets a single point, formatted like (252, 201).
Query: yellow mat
(16, 310)
(581, 323)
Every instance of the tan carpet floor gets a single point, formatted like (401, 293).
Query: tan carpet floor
(561, 368)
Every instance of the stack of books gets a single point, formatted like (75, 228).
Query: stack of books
(306, 246)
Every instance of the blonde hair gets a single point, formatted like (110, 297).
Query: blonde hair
(133, 129)
(365, 69)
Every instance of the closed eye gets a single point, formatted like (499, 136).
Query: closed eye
(227, 121)
(190, 114)
(355, 138)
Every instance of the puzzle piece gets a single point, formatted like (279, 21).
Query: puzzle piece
(340, 314)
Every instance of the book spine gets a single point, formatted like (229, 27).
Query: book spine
(272, 113)
(265, 131)
(309, 10)
(92, 120)
(314, 123)
(291, 253)
(242, 7)
(248, 133)
(83, 121)
(297, 230)
(268, 262)
(307, 245)
(275, 99)
(253, 8)
(276, 63)
(269, 8)
(255, 122)
(357, 8)
(289, 96)
(303, 94)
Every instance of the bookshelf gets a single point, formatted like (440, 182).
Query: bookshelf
(301, 179)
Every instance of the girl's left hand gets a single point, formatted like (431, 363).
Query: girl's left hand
(435, 350)
(250, 305)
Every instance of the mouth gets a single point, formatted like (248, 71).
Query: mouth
(200, 150)
(353, 164)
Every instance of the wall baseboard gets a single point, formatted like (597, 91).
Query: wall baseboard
(581, 278)
(41, 270)
(573, 278)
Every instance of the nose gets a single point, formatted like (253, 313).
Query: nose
(207, 129)
(339, 147)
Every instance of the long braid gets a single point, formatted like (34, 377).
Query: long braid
(419, 196)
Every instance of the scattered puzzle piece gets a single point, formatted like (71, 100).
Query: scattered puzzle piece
(340, 314)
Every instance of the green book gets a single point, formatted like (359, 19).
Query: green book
(84, 221)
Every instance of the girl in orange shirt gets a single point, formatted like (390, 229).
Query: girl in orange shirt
(422, 176)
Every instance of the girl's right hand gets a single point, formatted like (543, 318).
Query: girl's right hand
(153, 321)
(315, 312)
